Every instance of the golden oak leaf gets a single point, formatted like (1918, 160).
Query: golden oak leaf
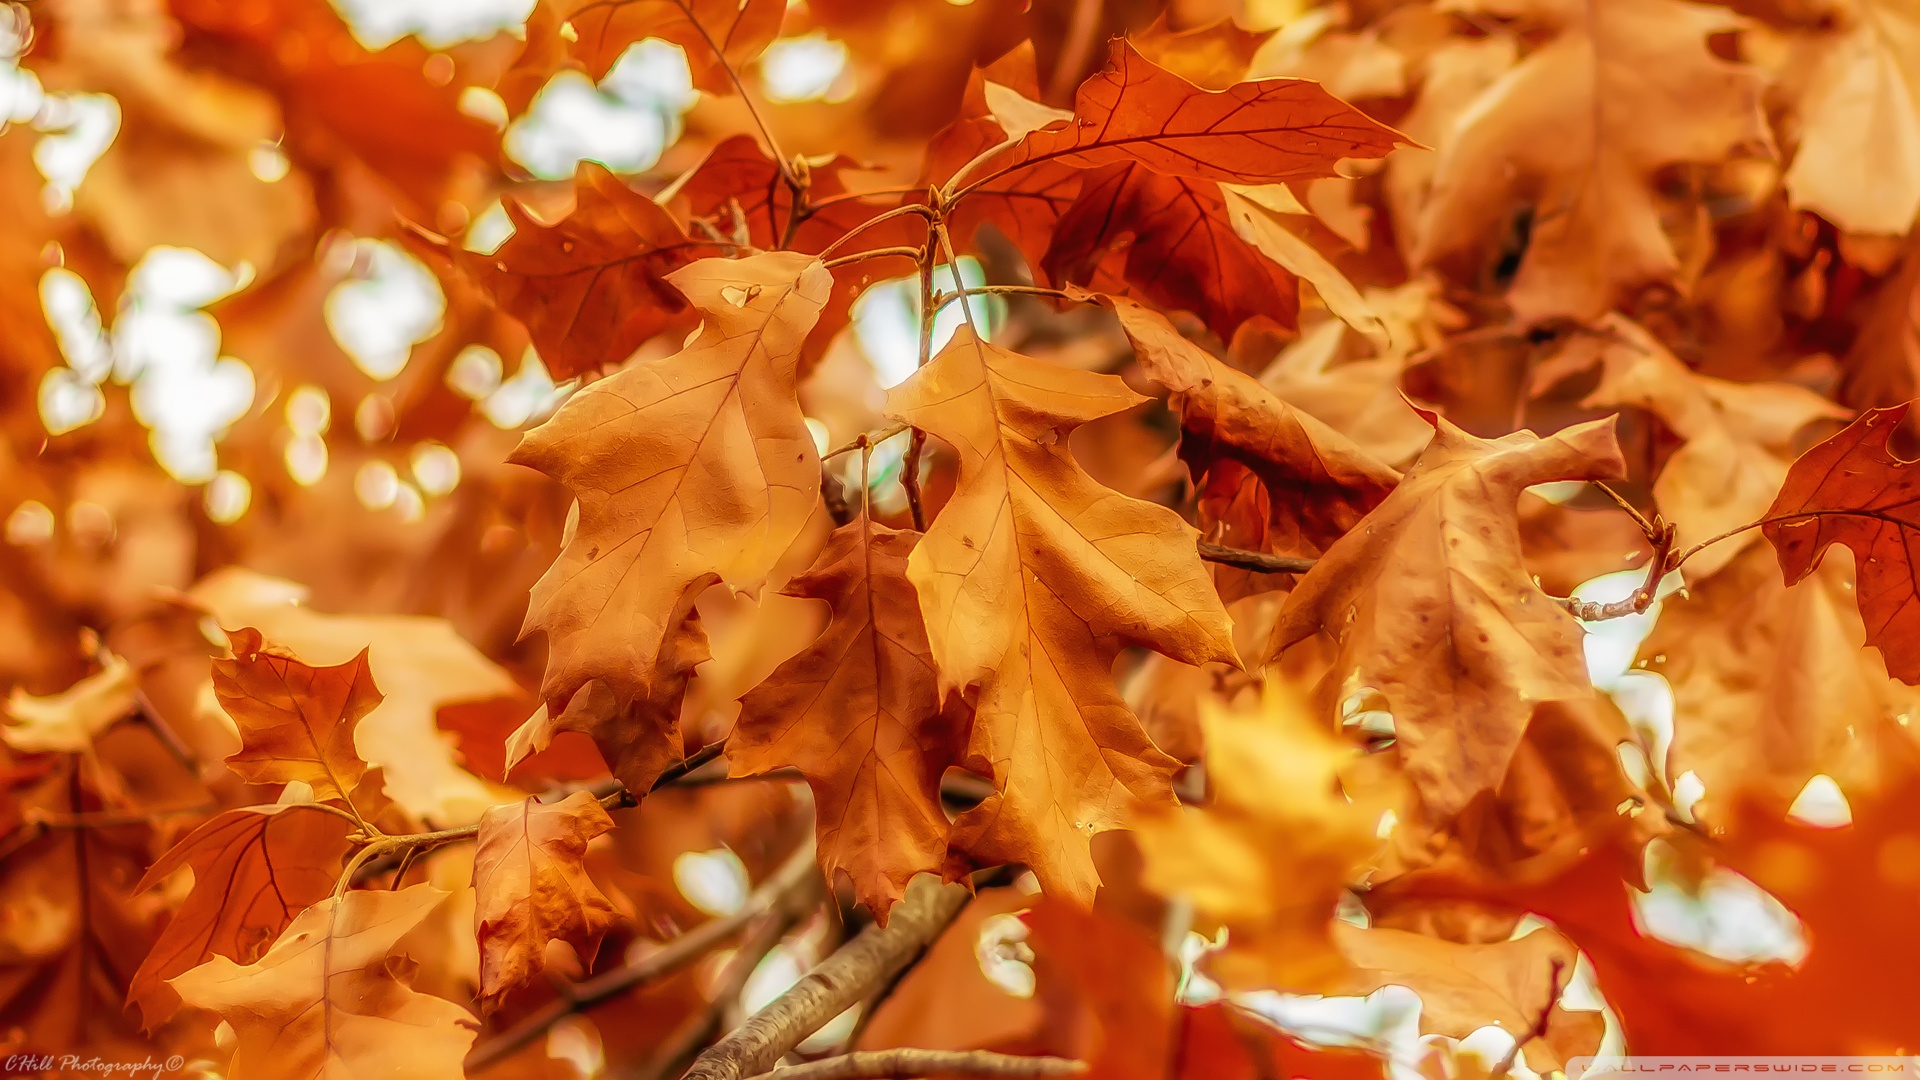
(1030, 579)
(1272, 851)
(858, 712)
(328, 1001)
(592, 287)
(638, 739)
(737, 29)
(1738, 436)
(1772, 684)
(1270, 219)
(686, 470)
(532, 888)
(1858, 164)
(1260, 132)
(1317, 483)
(254, 869)
(419, 663)
(296, 721)
(67, 722)
(1170, 240)
(1576, 132)
(1431, 606)
(1456, 74)
(1853, 489)
(1214, 56)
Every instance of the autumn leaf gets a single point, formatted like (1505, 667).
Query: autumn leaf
(1853, 489)
(1431, 607)
(690, 469)
(1261, 132)
(1024, 204)
(533, 889)
(592, 287)
(325, 1001)
(1772, 684)
(1858, 164)
(68, 721)
(859, 714)
(1029, 579)
(296, 722)
(1273, 849)
(254, 868)
(1514, 985)
(1738, 436)
(1169, 240)
(714, 34)
(1317, 483)
(1574, 135)
(419, 664)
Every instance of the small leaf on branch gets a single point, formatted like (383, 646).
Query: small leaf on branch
(531, 888)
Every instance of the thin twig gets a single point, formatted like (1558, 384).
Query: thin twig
(836, 983)
(1257, 561)
(796, 874)
(876, 253)
(946, 298)
(917, 442)
(904, 210)
(904, 1063)
(1642, 597)
(686, 1040)
(864, 440)
(1648, 528)
(740, 87)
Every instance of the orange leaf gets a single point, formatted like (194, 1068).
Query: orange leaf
(254, 868)
(1170, 239)
(327, 1001)
(738, 29)
(532, 888)
(859, 713)
(1854, 490)
(689, 469)
(296, 722)
(592, 287)
(1030, 579)
(1260, 132)
(1432, 607)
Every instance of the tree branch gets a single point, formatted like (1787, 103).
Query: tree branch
(794, 877)
(903, 1064)
(837, 983)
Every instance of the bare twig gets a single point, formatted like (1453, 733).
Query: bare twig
(876, 253)
(917, 442)
(1257, 561)
(838, 982)
(864, 440)
(903, 1064)
(693, 1032)
(795, 876)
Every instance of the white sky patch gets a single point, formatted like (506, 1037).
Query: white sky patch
(713, 881)
(886, 319)
(377, 24)
(527, 398)
(388, 304)
(812, 67)
(1730, 917)
(625, 123)
(77, 128)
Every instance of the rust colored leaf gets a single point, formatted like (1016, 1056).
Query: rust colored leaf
(254, 869)
(592, 287)
(1170, 240)
(713, 33)
(1317, 483)
(1431, 606)
(859, 713)
(1030, 579)
(326, 1001)
(532, 888)
(690, 469)
(1261, 132)
(296, 722)
(1853, 489)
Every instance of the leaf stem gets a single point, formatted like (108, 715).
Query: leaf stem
(740, 87)
(904, 210)
(876, 253)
